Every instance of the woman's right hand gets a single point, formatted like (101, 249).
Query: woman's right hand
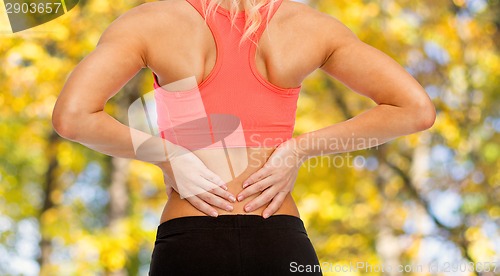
(187, 175)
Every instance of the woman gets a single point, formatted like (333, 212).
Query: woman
(232, 71)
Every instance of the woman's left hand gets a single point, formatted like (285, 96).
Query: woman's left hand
(275, 179)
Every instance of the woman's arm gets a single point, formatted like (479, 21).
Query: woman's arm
(79, 111)
(403, 107)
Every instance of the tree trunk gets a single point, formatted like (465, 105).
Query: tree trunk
(49, 185)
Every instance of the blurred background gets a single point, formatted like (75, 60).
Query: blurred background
(424, 199)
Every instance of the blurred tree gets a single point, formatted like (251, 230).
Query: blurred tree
(450, 48)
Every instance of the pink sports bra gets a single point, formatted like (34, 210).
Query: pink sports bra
(234, 106)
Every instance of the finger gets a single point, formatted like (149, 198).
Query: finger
(169, 190)
(216, 201)
(202, 206)
(275, 204)
(256, 176)
(168, 182)
(265, 197)
(223, 193)
(197, 187)
(214, 178)
(255, 188)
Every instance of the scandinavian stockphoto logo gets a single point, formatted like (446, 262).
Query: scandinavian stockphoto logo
(175, 127)
(24, 14)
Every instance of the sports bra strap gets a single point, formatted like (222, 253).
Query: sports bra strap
(197, 4)
(263, 26)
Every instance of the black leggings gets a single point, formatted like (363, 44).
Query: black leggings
(235, 245)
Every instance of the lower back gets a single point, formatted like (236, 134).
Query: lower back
(233, 165)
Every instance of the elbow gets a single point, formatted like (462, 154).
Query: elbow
(63, 124)
(424, 116)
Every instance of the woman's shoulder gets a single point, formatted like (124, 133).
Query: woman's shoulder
(301, 16)
(162, 8)
(166, 13)
(307, 23)
(152, 19)
(157, 13)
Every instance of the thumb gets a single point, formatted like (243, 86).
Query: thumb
(169, 189)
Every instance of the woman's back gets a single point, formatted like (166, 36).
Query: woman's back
(182, 45)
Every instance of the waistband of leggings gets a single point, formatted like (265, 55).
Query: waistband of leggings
(188, 223)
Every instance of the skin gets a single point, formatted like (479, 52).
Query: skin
(143, 37)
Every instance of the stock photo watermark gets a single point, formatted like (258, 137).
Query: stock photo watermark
(174, 126)
(333, 152)
(25, 15)
(366, 267)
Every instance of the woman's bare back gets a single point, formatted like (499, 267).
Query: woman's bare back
(181, 46)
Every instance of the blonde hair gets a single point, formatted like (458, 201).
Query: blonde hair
(253, 18)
